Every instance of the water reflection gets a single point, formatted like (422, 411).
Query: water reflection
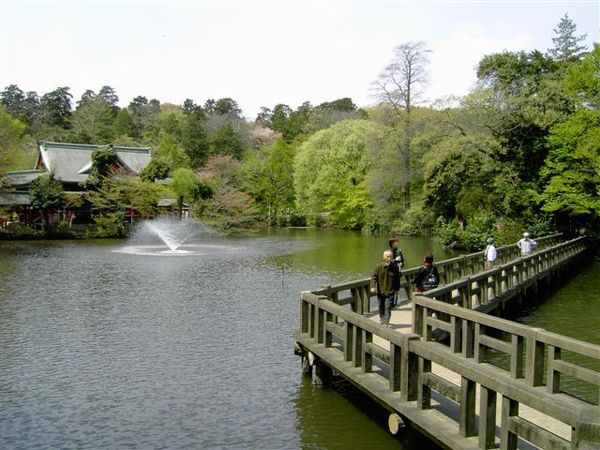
(101, 349)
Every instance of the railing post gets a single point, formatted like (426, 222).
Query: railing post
(418, 317)
(553, 377)
(349, 341)
(468, 339)
(409, 370)
(304, 316)
(424, 396)
(367, 361)
(487, 417)
(467, 421)
(395, 367)
(328, 334)
(508, 439)
(516, 356)
(357, 343)
(535, 359)
(478, 348)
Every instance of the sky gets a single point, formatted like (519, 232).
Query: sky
(261, 53)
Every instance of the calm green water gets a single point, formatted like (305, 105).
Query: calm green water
(112, 344)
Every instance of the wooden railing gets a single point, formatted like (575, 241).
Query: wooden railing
(402, 373)
(402, 370)
(356, 293)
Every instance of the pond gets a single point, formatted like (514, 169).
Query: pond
(104, 346)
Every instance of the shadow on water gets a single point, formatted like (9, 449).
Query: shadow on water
(341, 417)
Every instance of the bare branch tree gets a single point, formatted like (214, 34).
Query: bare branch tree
(401, 85)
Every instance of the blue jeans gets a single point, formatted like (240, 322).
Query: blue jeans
(385, 307)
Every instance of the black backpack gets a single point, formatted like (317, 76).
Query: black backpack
(430, 281)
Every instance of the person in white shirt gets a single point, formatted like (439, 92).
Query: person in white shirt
(527, 245)
(490, 254)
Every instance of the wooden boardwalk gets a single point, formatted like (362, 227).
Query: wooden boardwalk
(431, 367)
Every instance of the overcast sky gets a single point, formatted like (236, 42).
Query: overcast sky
(261, 53)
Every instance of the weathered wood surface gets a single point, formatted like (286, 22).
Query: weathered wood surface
(448, 389)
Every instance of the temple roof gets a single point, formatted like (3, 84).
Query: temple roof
(22, 177)
(70, 163)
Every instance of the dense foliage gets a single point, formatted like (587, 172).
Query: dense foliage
(519, 151)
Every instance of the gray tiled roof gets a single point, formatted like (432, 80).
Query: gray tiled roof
(71, 162)
(22, 177)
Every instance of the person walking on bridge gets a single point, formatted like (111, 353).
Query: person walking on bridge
(385, 282)
(490, 254)
(527, 245)
(428, 277)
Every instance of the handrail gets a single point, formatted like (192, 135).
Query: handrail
(348, 341)
(405, 369)
(453, 272)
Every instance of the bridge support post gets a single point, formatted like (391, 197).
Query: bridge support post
(323, 373)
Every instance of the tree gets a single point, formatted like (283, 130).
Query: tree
(170, 153)
(193, 135)
(225, 141)
(104, 159)
(269, 179)
(12, 139)
(56, 107)
(572, 169)
(187, 186)
(228, 206)
(155, 170)
(400, 86)
(47, 196)
(329, 173)
(13, 100)
(566, 44)
(92, 121)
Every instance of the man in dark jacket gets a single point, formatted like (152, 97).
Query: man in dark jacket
(385, 281)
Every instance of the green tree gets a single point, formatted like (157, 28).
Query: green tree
(170, 153)
(567, 45)
(183, 184)
(572, 169)
(329, 169)
(193, 135)
(155, 170)
(46, 195)
(12, 141)
(92, 122)
(225, 141)
(104, 160)
(56, 107)
(268, 177)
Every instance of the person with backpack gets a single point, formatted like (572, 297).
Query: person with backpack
(429, 277)
(385, 282)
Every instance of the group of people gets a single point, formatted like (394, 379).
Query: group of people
(385, 281)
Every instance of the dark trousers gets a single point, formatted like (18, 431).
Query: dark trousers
(385, 307)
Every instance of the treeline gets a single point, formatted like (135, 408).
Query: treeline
(521, 150)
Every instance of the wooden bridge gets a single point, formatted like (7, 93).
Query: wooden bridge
(461, 376)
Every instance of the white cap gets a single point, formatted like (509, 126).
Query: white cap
(526, 234)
